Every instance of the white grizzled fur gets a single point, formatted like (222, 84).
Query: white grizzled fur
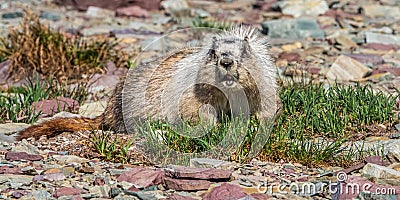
(167, 90)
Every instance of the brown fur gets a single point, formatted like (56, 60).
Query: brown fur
(235, 65)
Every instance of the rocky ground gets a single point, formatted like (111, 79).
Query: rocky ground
(322, 40)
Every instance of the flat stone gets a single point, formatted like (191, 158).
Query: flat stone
(210, 163)
(379, 46)
(345, 68)
(382, 38)
(293, 28)
(346, 42)
(196, 173)
(375, 10)
(66, 191)
(94, 11)
(10, 170)
(225, 191)
(25, 146)
(50, 177)
(186, 185)
(381, 172)
(92, 109)
(298, 8)
(99, 181)
(68, 159)
(177, 196)
(39, 194)
(132, 11)
(14, 178)
(371, 59)
(17, 156)
(8, 131)
(100, 191)
(50, 107)
(142, 177)
(377, 160)
(176, 7)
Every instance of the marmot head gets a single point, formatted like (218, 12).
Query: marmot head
(225, 57)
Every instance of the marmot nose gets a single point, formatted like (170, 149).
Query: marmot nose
(226, 62)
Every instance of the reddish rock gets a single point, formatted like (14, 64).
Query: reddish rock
(77, 197)
(176, 196)
(142, 177)
(53, 106)
(225, 191)
(133, 189)
(314, 70)
(260, 196)
(374, 160)
(112, 5)
(50, 177)
(394, 71)
(186, 185)
(380, 47)
(132, 11)
(17, 156)
(10, 170)
(290, 57)
(99, 181)
(86, 170)
(65, 191)
(19, 193)
(367, 58)
(197, 173)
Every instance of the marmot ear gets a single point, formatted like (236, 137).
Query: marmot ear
(211, 51)
(246, 46)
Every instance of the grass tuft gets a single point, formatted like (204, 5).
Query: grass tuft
(109, 147)
(35, 48)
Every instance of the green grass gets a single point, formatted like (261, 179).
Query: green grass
(313, 128)
(16, 104)
(204, 23)
(109, 147)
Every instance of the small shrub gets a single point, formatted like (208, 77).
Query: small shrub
(35, 48)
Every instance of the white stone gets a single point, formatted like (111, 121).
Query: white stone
(380, 172)
(298, 8)
(345, 69)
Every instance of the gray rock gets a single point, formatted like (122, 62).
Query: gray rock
(382, 38)
(69, 159)
(210, 163)
(92, 109)
(293, 28)
(12, 15)
(50, 15)
(380, 172)
(97, 12)
(298, 8)
(201, 13)
(374, 10)
(39, 194)
(12, 178)
(8, 131)
(345, 68)
(178, 8)
(25, 146)
(100, 191)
